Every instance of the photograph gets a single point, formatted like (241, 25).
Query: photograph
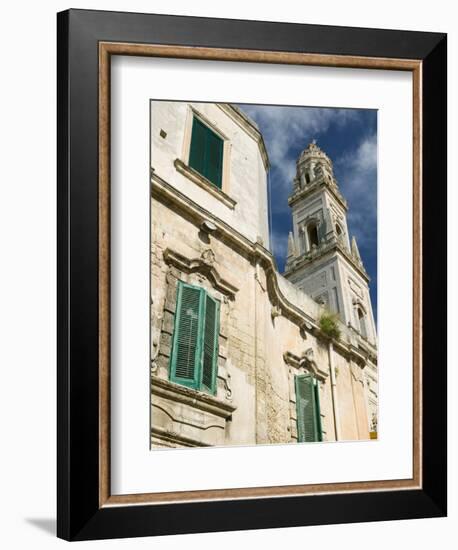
(263, 274)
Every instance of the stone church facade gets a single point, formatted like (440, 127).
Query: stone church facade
(241, 354)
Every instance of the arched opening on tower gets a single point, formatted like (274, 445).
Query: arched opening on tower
(362, 322)
(339, 231)
(307, 177)
(312, 232)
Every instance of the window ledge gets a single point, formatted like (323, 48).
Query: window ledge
(203, 182)
(200, 400)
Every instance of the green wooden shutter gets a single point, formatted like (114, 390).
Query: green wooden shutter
(197, 152)
(206, 152)
(194, 356)
(319, 428)
(307, 409)
(186, 349)
(214, 159)
(210, 344)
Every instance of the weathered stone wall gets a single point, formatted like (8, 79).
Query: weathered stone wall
(253, 376)
(269, 328)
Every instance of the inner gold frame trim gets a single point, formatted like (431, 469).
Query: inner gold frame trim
(106, 50)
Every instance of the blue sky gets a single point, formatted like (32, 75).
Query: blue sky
(349, 137)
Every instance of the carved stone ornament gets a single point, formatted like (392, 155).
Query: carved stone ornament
(276, 312)
(208, 257)
(308, 354)
(305, 362)
(203, 267)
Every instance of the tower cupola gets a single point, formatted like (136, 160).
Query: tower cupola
(313, 165)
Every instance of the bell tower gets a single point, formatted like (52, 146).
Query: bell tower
(321, 259)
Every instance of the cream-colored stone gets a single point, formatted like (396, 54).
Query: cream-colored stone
(255, 396)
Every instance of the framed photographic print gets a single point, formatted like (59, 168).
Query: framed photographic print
(252, 268)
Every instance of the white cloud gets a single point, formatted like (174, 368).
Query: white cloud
(279, 245)
(363, 160)
(358, 183)
(283, 127)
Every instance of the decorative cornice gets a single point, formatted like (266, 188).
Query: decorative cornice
(204, 265)
(365, 349)
(315, 187)
(306, 361)
(286, 308)
(163, 191)
(322, 252)
(203, 182)
(196, 399)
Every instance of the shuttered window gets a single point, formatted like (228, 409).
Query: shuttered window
(194, 356)
(206, 154)
(210, 343)
(308, 409)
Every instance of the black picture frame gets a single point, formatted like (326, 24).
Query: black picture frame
(79, 515)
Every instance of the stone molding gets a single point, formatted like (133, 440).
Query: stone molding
(324, 250)
(365, 348)
(203, 265)
(311, 219)
(316, 186)
(187, 396)
(173, 439)
(203, 182)
(359, 303)
(307, 362)
(275, 312)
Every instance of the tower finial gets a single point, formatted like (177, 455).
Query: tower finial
(355, 250)
(292, 252)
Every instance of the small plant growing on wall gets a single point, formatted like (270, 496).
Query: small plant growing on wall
(329, 325)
